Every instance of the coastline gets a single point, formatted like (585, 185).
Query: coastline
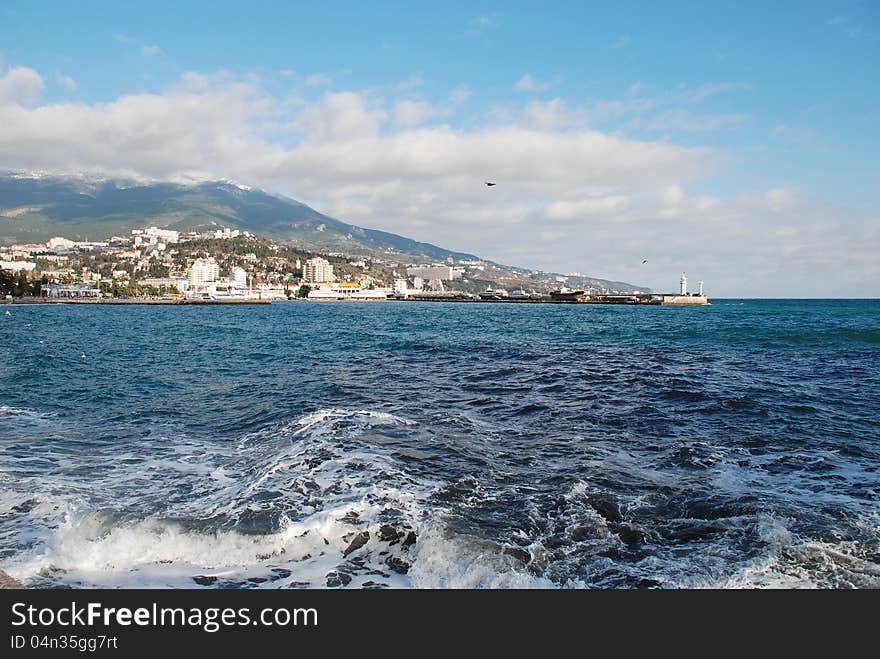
(129, 301)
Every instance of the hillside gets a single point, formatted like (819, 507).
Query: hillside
(35, 208)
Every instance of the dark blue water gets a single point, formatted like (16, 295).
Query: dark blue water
(441, 445)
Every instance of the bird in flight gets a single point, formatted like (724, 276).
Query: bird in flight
(489, 183)
(644, 262)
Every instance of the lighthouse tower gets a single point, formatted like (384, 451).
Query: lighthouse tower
(684, 284)
(701, 287)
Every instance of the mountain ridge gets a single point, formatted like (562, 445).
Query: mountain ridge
(35, 206)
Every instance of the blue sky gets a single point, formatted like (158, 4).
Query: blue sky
(744, 114)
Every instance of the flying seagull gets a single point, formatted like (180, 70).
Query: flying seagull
(489, 183)
(644, 262)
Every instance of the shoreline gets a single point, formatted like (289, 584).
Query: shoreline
(130, 301)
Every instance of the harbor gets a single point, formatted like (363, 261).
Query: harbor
(568, 296)
(643, 299)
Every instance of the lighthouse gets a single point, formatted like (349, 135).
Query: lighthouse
(684, 284)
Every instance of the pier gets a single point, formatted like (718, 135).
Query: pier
(642, 299)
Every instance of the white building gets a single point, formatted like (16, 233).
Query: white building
(180, 283)
(442, 272)
(684, 284)
(202, 272)
(60, 243)
(154, 236)
(16, 266)
(226, 233)
(239, 276)
(317, 271)
(270, 292)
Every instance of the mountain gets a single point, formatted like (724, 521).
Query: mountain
(35, 208)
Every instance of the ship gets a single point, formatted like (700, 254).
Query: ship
(494, 294)
(566, 294)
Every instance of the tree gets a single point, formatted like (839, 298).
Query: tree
(304, 291)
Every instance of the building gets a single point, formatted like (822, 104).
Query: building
(429, 272)
(202, 272)
(239, 277)
(226, 233)
(167, 283)
(58, 242)
(70, 291)
(17, 266)
(317, 271)
(154, 236)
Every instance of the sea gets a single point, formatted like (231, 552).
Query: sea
(441, 445)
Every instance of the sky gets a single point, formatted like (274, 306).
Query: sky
(734, 141)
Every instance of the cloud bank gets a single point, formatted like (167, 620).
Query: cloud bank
(569, 196)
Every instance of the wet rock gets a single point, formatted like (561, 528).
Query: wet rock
(581, 533)
(373, 585)
(359, 541)
(337, 579)
(388, 533)
(630, 536)
(610, 552)
(204, 581)
(397, 564)
(410, 539)
(257, 580)
(282, 573)
(519, 554)
(8, 583)
(606, 508)
(356, 563)
(25, 506)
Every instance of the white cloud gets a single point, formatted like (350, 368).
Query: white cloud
(409, 113)
(460, 95)
(150, 51)
(479, 25)
(338, 117)
(318, 80)
(568, 197)
(584, 208)
(553, 115)
(682, 120)
(412, 82)
(528, 83)
(622, 42)
(20, 84)
(65, 81)
(705, 90)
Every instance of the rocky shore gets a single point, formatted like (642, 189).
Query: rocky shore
(7, 582)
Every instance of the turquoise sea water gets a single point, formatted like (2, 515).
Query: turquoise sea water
(441, 445)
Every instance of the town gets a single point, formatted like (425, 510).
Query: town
(230, 265)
